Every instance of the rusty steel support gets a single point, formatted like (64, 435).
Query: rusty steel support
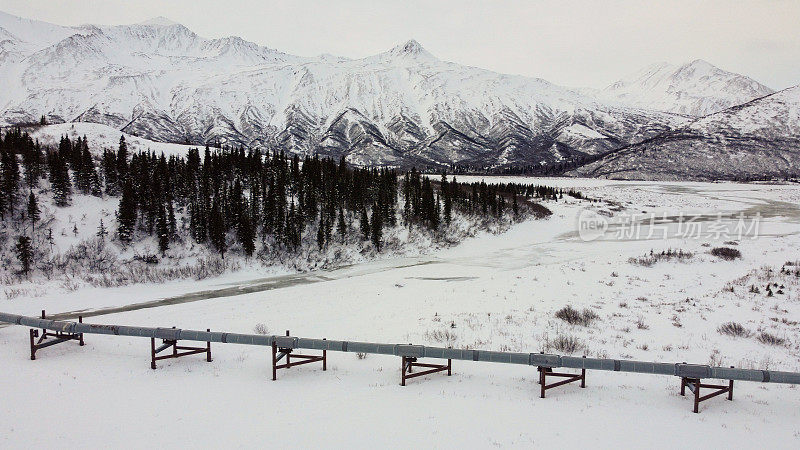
(279, 353)
(409, 362)
(173, 344)
(58, 336)
(545, 372)
(695, 384)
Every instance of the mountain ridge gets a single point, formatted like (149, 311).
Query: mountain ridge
(403, 106)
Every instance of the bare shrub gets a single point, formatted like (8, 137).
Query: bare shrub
(361, 355)
(726, 253)
(733, 329)
(565, 344)
(770, 339)
(574, 317)
(641, 325)
(441, 335)
(665, 255)
(260, 328)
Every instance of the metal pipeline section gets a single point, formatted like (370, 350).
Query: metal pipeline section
(419, 351)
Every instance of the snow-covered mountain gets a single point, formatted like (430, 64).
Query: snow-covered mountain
(161, 81)
(753, 140)
(697, 88)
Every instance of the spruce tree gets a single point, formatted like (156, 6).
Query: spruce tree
(109, 166)
(102, 232)
(364, 224)
(216, 229)
(10, 178)
(122, 159)
(59, 178)
(321, 235)
(126, 216)
(514, 205)
(448, 199)
(341, 226)
(162, 228)
(24, 253)
(246, 234)
(33, 210)
(377, 228)
(50, 240)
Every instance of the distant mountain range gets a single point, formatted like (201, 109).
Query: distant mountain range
(402, 107)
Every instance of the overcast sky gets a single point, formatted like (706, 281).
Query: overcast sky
(574, 43)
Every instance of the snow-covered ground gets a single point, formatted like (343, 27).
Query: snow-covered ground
(103, 137)
(494, 292)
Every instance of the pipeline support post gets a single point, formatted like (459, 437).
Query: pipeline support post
(177, 350)
(545, 372)
(58, 337)
(695, 384)
(409, 362)
(278, 353)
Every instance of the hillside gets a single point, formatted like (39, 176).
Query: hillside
(758, 139)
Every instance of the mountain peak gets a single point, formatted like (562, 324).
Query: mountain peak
(410, 48)
(700, 66)
(159, 21)
(696, 88)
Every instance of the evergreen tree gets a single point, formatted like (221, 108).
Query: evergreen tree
(320, 235)
(33, 210)
(364, 224)
(31, 161)
(341, 226)
(126, 216)
(122, 159)
(109, 166)
(377, 228)
(50, 240)
(162, 228)
(448, 199)
(246, 234)
(216, 229)
(59, 178)
(10, 179)
(24, 253)
(514, 205)
(101, 231)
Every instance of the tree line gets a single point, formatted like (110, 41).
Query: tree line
(232, 198)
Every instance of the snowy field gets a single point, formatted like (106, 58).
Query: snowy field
(492, 292)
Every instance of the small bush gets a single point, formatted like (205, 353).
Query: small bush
(565, 344)
(665, 255)
(641, 325)
(770, 339)
(574, 317)
(726, 253)
(733, 329)
(260, 328)
(361, 355)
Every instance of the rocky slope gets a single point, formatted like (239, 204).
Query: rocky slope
(760, 138)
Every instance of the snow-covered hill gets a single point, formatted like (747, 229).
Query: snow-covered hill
(697, 88)
(161, 81)
(757, 139)
(102, 137)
